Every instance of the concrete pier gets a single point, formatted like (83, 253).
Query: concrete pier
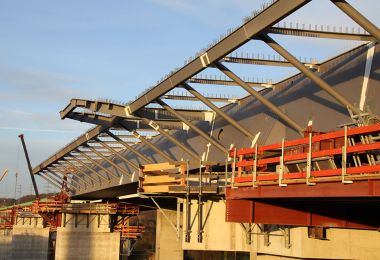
(30, 239)
(5, 244)
(168, 245)
(87, 236)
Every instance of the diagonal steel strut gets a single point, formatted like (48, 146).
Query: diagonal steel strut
(308, 73)
(193, 126)
(259, 97)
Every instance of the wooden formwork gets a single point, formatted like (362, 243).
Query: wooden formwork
(174, 177)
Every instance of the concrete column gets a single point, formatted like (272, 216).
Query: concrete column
(87, 236)
(30, 239)
(168, 247)
(5, 244)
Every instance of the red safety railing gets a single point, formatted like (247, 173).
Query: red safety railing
(335, 156)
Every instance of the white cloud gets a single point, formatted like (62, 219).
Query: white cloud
(32, 84)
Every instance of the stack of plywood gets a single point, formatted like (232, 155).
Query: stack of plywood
(158, 178)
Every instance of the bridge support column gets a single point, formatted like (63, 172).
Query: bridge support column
(5, 243)
(87, 236)
(168, 246)
(30, 239)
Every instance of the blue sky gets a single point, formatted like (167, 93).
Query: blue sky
(51, 51)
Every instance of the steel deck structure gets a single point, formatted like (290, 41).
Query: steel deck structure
(106, 161)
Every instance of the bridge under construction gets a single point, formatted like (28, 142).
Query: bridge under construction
(290, 170)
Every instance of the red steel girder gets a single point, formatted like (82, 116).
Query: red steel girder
(366, 188)
(340, 214)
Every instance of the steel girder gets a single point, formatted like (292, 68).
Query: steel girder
(252, 29)
(268, 17)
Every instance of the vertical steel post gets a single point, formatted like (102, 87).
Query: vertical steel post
(200, 206)
(188, 204)
(309, 161)
(254, 173)
(282, 166)
(344, 158)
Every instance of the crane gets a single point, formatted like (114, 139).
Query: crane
(4, 174)
(21, 136)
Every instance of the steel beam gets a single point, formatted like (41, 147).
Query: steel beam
(127, 146)
(122, 171)
(59, 183)
(50, 181)
(260, 98)
(119, 110)
(89, 168)
(74, 144)
(156, 127)
(191, 98)
(146, 142)
(268, 17)
(82, 171)
(193, 126)
(117, 153)
(97, 164)
(219, 111)
(257, 61)
(66, 175)
(308, 73)
(358, 18)
(224, 82)
(47, 172)
(110, 122)
(320, 34)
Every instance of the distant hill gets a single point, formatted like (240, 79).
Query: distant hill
(9, 201)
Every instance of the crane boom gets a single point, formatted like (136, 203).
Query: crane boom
(29, 166)
(4, 174)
